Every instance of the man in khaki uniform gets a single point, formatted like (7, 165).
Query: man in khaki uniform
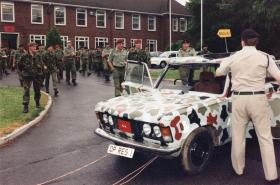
(117, 62)
(249, 68)
(185, 51)
(69, 61)
(105, 54)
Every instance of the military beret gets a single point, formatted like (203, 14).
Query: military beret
(31, 44)
(138, 41)
(249, 34)
(186, 41)
(120, 41)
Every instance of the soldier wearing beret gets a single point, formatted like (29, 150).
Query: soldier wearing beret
(105, 54)
(138, 54)
(249, 68)
(69, 61)
(15, 60)
(59, 60)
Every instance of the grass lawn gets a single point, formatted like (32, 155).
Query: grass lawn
(11, 116)
(171, 74)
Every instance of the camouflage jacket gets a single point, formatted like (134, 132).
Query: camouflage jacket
(18, 54)
(50, 62)
(84, 56)
(3, 55)
(186, 53)
(69, 54)
(59, 55)
(138, 55)
(30, 66)
(97, 56)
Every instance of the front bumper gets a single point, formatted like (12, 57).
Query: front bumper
(153, 148)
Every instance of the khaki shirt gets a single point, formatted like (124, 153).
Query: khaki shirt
(118, 57)
(69, 52)
(186, 53)
(249, 68)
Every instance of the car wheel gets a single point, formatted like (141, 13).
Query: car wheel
(197, 151)
(162, 64)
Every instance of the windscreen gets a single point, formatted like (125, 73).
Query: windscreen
(134, 72)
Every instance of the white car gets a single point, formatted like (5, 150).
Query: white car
(163, 59)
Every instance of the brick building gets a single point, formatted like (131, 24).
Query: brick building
(91, 23)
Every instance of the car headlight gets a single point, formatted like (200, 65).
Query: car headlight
(111, 121)
(157, 131)
(147, 129)
(105, 118)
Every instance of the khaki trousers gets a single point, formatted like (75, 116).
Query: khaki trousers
(255, 108)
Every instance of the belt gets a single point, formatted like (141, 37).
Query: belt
(119, 67)
(248, 93)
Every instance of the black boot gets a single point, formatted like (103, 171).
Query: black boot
(56, 92)
(38, 104)
(74, 82)
(68, 83)
(25, 108)
(47, 91)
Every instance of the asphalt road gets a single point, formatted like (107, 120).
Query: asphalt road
(64, 146)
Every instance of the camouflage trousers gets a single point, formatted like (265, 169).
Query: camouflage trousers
(70, 68)
(85, 67)
(27, 82)
(60, 70)
(48, 75)
(118, 76)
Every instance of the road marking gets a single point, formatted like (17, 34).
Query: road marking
(135, 173)
(73, 171)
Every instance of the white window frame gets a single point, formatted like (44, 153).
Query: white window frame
(64, 40)
(58, 24)
(155, 23)
(80, 39)
(13, 7)
(85, 17)
(175, 24)
(156, 44)
(139, 22)
(122, 16)
(105, 40)
(186, 24)
(115, 41)
(96, 18)
(42, 13)
(132, 42)
(41, 38)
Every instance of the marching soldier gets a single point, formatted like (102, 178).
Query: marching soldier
(50, 68)
(185, 51)
(138, 54)
(117, 62)
(98, 61)
(85, 61)
(69, 61)
(16, 58)
(40, 52)
(3, 58)
(105, 54)
(31, 68)
(59, 60)
(249, 68)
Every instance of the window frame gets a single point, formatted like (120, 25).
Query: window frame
(106, 40)
(96, 18)
(85, 13)
(119, 28)
(173, 24)
(42, 37)
(42, 13)
(64, 42)
(156, 44)
(58, 24)
(132, 43)
(180, 24)
(85, 39)
(139, 22)
(13, 8)
(155, 23)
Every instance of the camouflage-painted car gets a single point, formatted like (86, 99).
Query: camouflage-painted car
(170, 119)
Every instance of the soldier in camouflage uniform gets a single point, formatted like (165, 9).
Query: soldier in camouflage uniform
(138, 54)
(85, 61)
(117, 62)
(41, 50)
(59, 60)
(16, 58)
(105, 54)
(69, 61)
(31, 68)
(98, 61)
(50, 69)
(185, 51)
(3, 57)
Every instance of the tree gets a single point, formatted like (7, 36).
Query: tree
(53, 37)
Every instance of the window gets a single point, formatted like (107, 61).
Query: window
(81, 42)
(59, 15)
(136, 22)
(100, 41)
(132, 43)
(152, 24)
(37, 14)
(39, 39)
(175, 24)
(81, 17)
(152, 45)
(7, 12)
(183, 24)
(115, 41)
(119, 20)
(100, 19)
(64, 40)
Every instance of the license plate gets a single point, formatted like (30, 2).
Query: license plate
(121, 151)
(124, 126)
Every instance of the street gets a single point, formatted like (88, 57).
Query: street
(65, 143)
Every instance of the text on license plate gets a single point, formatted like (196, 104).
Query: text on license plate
(121, 151)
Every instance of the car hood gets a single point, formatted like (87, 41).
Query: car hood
(148, 106)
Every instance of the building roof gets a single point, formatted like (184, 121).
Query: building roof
(159, 7)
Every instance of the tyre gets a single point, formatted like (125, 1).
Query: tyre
(162, 64)
(197, 151)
